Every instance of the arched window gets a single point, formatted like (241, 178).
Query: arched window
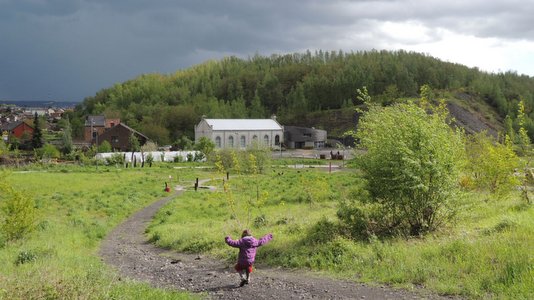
(218, 142)
(255, 138)
(277, 139)
(266, 140)
(230, 141)
(243, 141)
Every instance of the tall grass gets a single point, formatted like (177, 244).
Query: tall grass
(77, 207)
(487, 253)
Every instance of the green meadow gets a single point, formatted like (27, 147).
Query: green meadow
(76, 207)
(486, 253)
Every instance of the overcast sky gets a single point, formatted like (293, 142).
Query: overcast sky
(66, 50)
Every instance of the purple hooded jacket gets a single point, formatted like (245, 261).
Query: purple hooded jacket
(247, 247)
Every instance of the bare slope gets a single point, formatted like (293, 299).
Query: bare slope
(469, 112)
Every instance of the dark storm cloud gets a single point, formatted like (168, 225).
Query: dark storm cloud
(69, 49)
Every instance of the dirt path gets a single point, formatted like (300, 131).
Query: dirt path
(127, 249)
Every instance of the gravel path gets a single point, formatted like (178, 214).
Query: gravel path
(127, 249)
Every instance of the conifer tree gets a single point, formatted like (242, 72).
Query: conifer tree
(37, 138)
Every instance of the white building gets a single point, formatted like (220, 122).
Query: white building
(240, 133)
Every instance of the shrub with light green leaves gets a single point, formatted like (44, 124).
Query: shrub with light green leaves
(17, 214)
(411, 166)
(491, 164)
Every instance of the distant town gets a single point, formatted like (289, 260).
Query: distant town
(22, 110)
(39, 104)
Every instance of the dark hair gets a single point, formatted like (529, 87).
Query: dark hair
(245, 233)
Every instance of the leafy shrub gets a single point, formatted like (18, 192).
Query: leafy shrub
(260, 221)
(199, 156)
(363, 220)
(105, 147)
(25, 256)
(240, 160)
(47, 151)
(190, 157)
(18, 210)
(43, 225)
(149, 159)
(3, 240)
(178, 159)
(411, 167)
(322, 232)
(205, 146)
(491, 163)
(115, 159)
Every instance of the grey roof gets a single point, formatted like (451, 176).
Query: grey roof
(98, 121)
(12, 125)
(243, 124)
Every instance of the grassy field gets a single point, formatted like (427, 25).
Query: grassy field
(487, 253)
(76, 208)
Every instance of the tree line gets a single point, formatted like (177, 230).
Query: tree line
(166, 107)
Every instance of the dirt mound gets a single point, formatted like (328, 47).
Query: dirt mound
(471, 121)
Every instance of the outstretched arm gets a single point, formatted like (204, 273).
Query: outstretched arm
(265, 239)
(232, 243)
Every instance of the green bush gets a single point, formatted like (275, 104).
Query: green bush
(25, 256)
(105, 147)
(240, 160)
(411, 166)
(322, 232)
(149, 159)
(18, 213)
(190, 157)
(491, 164)
(199, 156)
(47, 151)
(115, 159)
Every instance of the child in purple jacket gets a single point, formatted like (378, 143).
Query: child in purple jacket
(247, 253)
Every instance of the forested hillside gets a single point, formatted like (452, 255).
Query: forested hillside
(166, 107)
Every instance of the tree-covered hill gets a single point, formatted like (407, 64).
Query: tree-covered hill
(294, 87)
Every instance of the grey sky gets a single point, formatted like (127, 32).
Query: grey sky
(69, 49)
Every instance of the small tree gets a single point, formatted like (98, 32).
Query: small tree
(37, 138)
(48, 151)
(526, 149)
(4, 149)
(149, 159)
(184, 143)
(491, 163)
(205, 145)
(66, 137)
(149, 147)
(105, 147)
(411, 167)
(262, 154)
(17, 211)
(134, 146)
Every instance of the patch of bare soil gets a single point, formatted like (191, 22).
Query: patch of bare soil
(472, 122)
(126, 248)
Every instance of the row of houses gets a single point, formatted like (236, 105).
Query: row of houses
(225, 133)
(15, 121)
(11, 113)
